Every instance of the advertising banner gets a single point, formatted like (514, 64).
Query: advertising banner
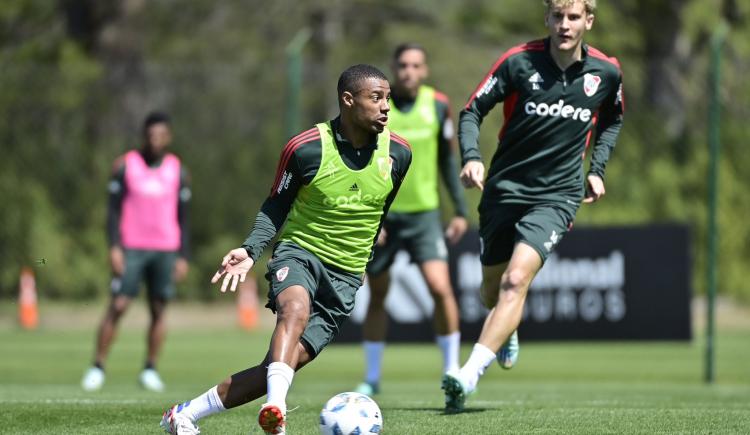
(625, 283)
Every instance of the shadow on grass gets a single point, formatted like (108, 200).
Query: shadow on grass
(439, 411)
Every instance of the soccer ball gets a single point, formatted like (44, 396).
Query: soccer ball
(350, 414)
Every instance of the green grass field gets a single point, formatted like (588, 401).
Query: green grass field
(556, 388)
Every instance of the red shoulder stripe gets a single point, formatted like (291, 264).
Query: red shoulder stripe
(594, 120)
(537, 45)
(304, 133)
(442, 97)
(286, 153)
(509, 106)
(289, 148)
(398, 139)
(594, 52)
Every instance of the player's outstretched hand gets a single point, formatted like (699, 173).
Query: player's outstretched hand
(594, 189)
(472, 175)
(234, 267)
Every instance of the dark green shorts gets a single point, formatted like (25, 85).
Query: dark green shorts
(331, 292)
(421, 234)
(155, 267)
(540, 226)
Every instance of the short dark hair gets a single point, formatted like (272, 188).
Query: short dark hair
(155, 118)
(406, 46)
(352, 76)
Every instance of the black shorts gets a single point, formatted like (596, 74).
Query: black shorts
(154, 267)
(420, 233)
(331, 292)
(540, 226)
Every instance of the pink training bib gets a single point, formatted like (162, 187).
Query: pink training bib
(149, 210)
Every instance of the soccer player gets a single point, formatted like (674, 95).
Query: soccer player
(333, 187)
(421, 115)
(557, 93)
(147, 220)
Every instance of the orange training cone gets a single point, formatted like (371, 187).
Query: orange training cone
(247, 303)
(28, 313)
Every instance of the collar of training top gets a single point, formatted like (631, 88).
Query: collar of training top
(584, 50)
(341, 140)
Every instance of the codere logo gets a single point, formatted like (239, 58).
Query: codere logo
(558, 110)
(356, 199)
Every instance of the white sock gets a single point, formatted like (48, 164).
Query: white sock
(279, 379)
(202, 406)
(373, 360)
(481, 357)
(449, 345)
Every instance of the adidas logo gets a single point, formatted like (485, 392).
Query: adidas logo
(553, 239)
(354, 188)
(535, 81)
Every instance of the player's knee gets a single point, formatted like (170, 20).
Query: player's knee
(157, 316)
(294, 310)
(378, 288)
(377, 296)
(514, 278)
(157, 310)
(515, 281)
(440, 290)
(116, 311)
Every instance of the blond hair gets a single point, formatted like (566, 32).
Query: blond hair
(589, 5)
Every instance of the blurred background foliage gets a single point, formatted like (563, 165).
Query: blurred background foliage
(78, 76)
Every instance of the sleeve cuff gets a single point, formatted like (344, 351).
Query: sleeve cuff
(466, 160)
(250, 252)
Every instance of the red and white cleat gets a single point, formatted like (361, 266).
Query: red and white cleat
(272, 419)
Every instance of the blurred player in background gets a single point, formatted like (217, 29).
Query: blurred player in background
(556, 93)
(421, 115)
(333, 187)
(147, 219)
